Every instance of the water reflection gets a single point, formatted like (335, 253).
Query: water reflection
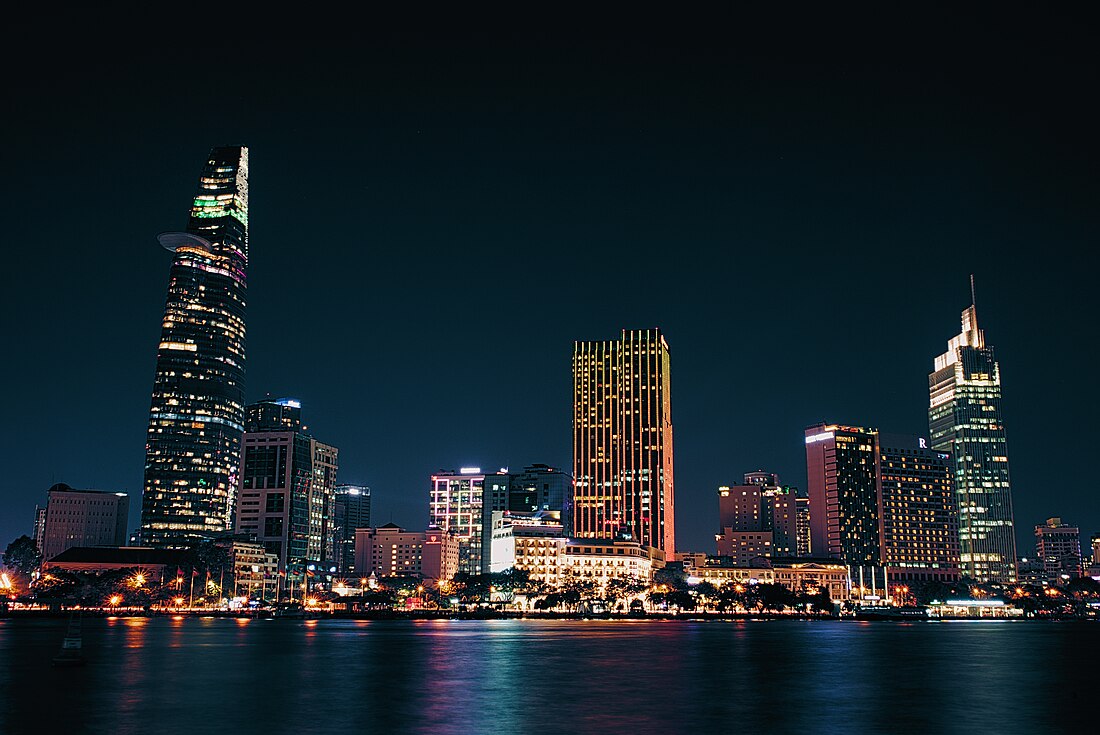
(161, 674)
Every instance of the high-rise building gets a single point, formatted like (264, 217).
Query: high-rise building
(351, 510)
(964, 419)
(622, 440)
(288, 486)
(843, 486)
(883, 503)
(802, 525)
(461, 504)
(1058, 549)
(197, 412)
(920, 515)
(75, 518)
(540, 487)
(758, 518)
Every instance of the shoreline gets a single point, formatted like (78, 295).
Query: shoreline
(416, 616)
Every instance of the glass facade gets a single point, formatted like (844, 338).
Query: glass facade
(457, 505)
(288, 488)
(964, 419)
(197, 411)
(622, 440)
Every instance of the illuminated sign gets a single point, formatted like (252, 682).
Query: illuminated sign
(923, 443)
(819, 437)
(470, 471)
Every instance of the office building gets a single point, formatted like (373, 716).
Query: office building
(350, 510)
(1058, 549)
(622, 440)
(803, 547)
(287, 488)
(920, 516)
(79, 518)
(540, 487)
(757, 518)
(196, 415)
(461, 504)
(1094, 568)
(965, 420)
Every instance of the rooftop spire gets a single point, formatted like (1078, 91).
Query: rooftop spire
(973, 299)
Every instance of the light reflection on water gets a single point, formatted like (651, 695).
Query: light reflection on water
(240, 675)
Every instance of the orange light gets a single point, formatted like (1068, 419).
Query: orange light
(115, 599)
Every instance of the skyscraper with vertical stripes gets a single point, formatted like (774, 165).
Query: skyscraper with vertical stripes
(192, 454)
(622, 440)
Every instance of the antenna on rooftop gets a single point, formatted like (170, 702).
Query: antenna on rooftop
(973, 299)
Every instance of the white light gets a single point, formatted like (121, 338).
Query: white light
(470, 471)
(819, 437)
(975, 603)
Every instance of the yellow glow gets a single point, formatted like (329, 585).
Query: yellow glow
(115, 599)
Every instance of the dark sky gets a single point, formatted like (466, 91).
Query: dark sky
(436, 216)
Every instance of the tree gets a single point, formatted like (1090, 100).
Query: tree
(23, 556)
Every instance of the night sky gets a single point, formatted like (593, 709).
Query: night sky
(435, 217)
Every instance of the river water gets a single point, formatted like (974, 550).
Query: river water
(165, 676)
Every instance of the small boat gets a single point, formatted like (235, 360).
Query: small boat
(72, 648)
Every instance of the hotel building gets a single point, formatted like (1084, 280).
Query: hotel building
(622, 441)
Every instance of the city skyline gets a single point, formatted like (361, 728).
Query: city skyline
(756, 226)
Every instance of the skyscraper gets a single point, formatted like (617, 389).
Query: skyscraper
(542, 487)
(197, 413)
(622, 440)
(964, 419)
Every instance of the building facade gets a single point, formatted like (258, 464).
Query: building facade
(600, 561)
(389, 551)
(965, 420)
(287, 487)
(196, 417)
(844, 493)
(1058, 549)
(803, 546)
(76, 518)
(759, 517)
(457, 505)
(540, 487)
(350, 510)
(622, 440)
(920, 515)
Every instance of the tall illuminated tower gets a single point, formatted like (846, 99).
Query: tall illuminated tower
(196, 419)
(964, 418)
(622, 440)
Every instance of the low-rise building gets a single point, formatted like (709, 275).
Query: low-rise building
(440, 556)
(389, 551)
(604, 560)
(157, 564)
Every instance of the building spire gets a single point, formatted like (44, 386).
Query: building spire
(973, 298)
